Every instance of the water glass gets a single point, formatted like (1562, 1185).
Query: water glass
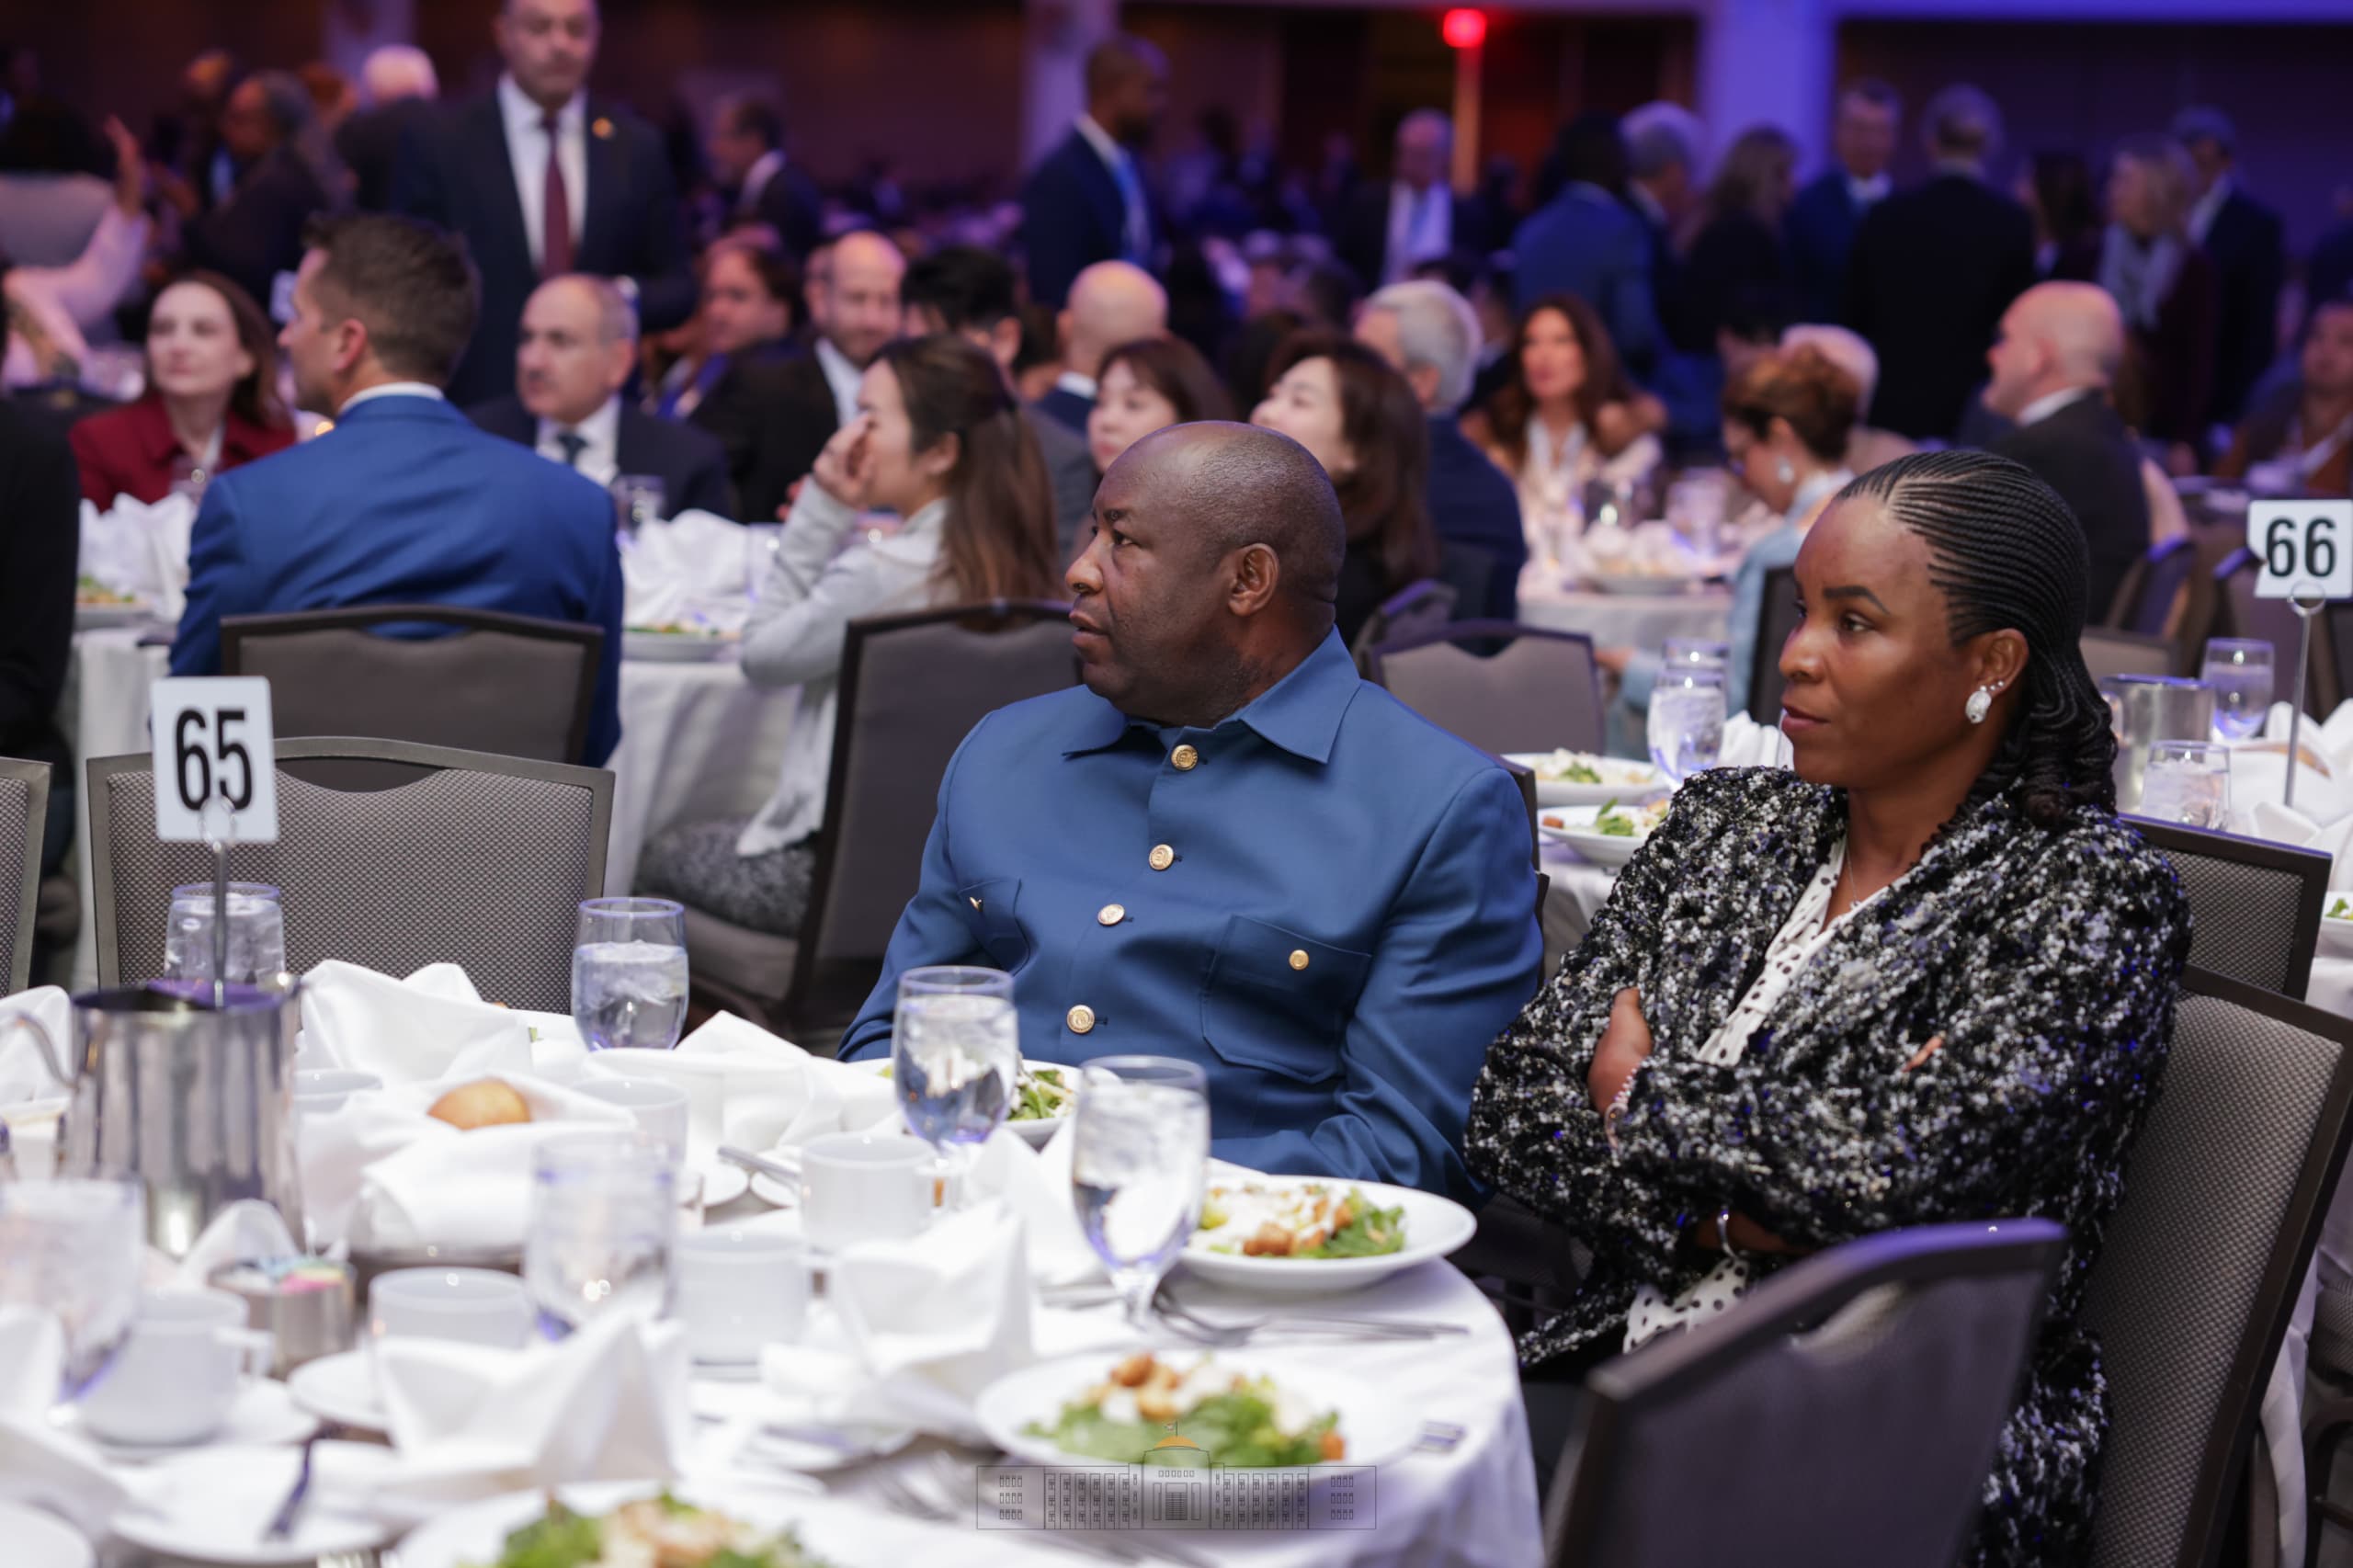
(1138, 1166)
(604, 1230)
(1686, 720)
(639, 499)
(2189, 783)
(77, 1248)
(257, 933)
(2239, 669)
(761, 542)
(1694, 653)
(628, 974)
(955, 1053)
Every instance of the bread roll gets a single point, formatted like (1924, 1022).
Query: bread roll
(486, 1102)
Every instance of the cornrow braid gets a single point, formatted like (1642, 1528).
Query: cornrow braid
(2007, 554)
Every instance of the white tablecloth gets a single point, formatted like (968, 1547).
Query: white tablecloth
(1624, 621)
(697, 741)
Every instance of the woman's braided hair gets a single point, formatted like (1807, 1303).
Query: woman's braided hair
(2007, 554)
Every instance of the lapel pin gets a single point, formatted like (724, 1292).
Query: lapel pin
(602, 128)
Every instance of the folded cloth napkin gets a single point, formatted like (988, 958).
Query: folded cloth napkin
(40, 1466)
(25, 1069)
(380, 1173)
(2324, 774)
(432, 1025)
(466, 1421)
(1035, 1184)
(691, 571)
(1748, 743)
(917, 1328)
(140, 549)
(246, 1231)
(745, 1087)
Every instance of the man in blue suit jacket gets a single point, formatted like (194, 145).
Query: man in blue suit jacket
(1585, 242)
(1086, 202)
(1228, 848)
(1822, 222)
(404, 501)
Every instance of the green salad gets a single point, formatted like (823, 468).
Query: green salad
(1307, 1221)
(1150, 1411)
(1039, 1094)
(661, 1530)
(2341, 910)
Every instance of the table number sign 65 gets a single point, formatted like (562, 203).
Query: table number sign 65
(2303, 549)
(213, 744)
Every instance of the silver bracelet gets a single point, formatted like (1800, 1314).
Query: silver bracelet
(1617, 1107)
(1723, 1236)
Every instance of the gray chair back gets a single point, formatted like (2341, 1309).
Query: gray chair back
(510, 684)
(2240, 614)
(2144, 599)
(912, 688)
(2254, 906)
(1777, 618)
(2108, 652)
(1845, 1412)
(1540, 691)
(2197, 1276)
(1417, 610)
(24, 810)
(481, 860)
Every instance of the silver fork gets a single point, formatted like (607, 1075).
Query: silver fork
(1235, 1331)
(281, 1524)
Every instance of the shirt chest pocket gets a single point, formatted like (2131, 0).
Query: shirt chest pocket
(988, 909)
(1280, 1002)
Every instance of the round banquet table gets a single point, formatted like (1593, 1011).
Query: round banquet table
(1623, 620)
(697, 741)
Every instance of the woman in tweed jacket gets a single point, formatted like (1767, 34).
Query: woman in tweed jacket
(1925, 976)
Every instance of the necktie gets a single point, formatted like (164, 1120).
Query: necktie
(555, 248)
(574, 443)
(1136, 236)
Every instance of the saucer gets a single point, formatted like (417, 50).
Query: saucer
(213, 1505)
(43, 1540)
(341, 1389)
(723, 1183)
(264, 1415)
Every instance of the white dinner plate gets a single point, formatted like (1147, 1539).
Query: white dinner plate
(212, 1505)
(341, 1389)
(1573, 825)
(100, 617)
(264, 1415)
(2336, 933)
(43, 1540)
(677, 647)
(723, 1183)
(734, 1393)
(1622, 780)
(1435, 1226)
(1375, 1428)
(472, 1535)
(1643, 584)
(1037, 1132)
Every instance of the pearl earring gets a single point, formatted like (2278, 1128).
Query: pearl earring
(1785, 474)
(1979, 703)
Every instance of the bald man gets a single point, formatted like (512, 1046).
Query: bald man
(1112, 302)
(2060, 348)
(578, 347)
(1086, 200)
(1226, 847)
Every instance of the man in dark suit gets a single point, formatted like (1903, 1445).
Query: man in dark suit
(1417, 217)
(1112, 303)
(401, 88)
(41, 497)
(2248, 246)
(1824, 218)
(759, 184)
(1431, 334)
(404, 501)
(748, 293)
(1933, 268)
(1086, 202)
(1585, 242)
(604, 202)
(579, 345)
(2052, 365)
(1663, 159)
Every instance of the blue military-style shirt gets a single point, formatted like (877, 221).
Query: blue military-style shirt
(1325, 901)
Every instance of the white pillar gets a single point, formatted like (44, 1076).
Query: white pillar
(1769, 62)
(1059, 33)
(347, 32)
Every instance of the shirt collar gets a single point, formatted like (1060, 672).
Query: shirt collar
(764, 167)
(1300, 713)
(1868, 190)
(1114, 156)
(2202, 211)
(2044, 407)
(391, 389)
(521, 114)
(842, 377)
(1082, 386)
(601, 429)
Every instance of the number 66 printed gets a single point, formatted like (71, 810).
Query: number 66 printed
(2305, 548)
(212, 742)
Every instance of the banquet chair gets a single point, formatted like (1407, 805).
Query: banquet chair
(2238, 613)
(24, 808)
(1870, 1381)
(1539, 692)
(2110, 652)
(2223, 1197)
(2144, 599)
(912, 688)
(2254, 906)
(1417, 609)
(514, 684)
(1777, 617)
(479, 860)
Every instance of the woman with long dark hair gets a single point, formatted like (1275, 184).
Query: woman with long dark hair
(1738, 255)
(939, 441)
(1360, 418)
(1148, 385)
(1924, 975)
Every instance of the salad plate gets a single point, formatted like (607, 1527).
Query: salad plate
(1585, 778)
(1314, 1237)
(1044, 1094)
(215, 1506)
(2337, 923)
(690, 1525)
(43, 1540)
(1607, 836)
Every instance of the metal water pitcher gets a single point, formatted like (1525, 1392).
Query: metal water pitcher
(186, 1090)
(2156, 708)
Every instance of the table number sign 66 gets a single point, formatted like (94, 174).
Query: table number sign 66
(2303, 549)
(212, 742)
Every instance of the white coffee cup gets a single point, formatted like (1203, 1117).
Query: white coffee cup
(176, 1376)
(476, 1306)
(321, 1091)
(739, 1290)
(659, 1109)
(858, 1186)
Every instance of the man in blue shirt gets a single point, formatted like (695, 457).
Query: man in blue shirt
(1227, 847)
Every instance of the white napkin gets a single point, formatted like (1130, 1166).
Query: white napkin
(1035, 1184)
(1748, 743)
(2259, 768)
(607, 1404)
(433, 1025)
(745, 1087)
(39, 1465)
(693, 570)
(246, 1231)
(925, 1324)
(141, 550)
(24, 1072)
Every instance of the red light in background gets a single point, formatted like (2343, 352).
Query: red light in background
(1464, 28)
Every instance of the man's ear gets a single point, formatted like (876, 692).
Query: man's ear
(1257, 572)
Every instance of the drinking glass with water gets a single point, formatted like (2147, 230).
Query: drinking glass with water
(1694, 653)
(257, 933)
(628, 974)
(1686, 720)
(1138, 1166)
(955, 1053)
(2239, 669)
(639, 499)
(77, 1248)
(603, 1229)
(2188, 782)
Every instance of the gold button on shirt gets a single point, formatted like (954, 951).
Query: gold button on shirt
(1079, 1018)
(1111, 914)
(1161, 857)
(1299, 958)
(1186, 758)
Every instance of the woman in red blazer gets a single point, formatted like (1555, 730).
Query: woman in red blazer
(211, 400)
